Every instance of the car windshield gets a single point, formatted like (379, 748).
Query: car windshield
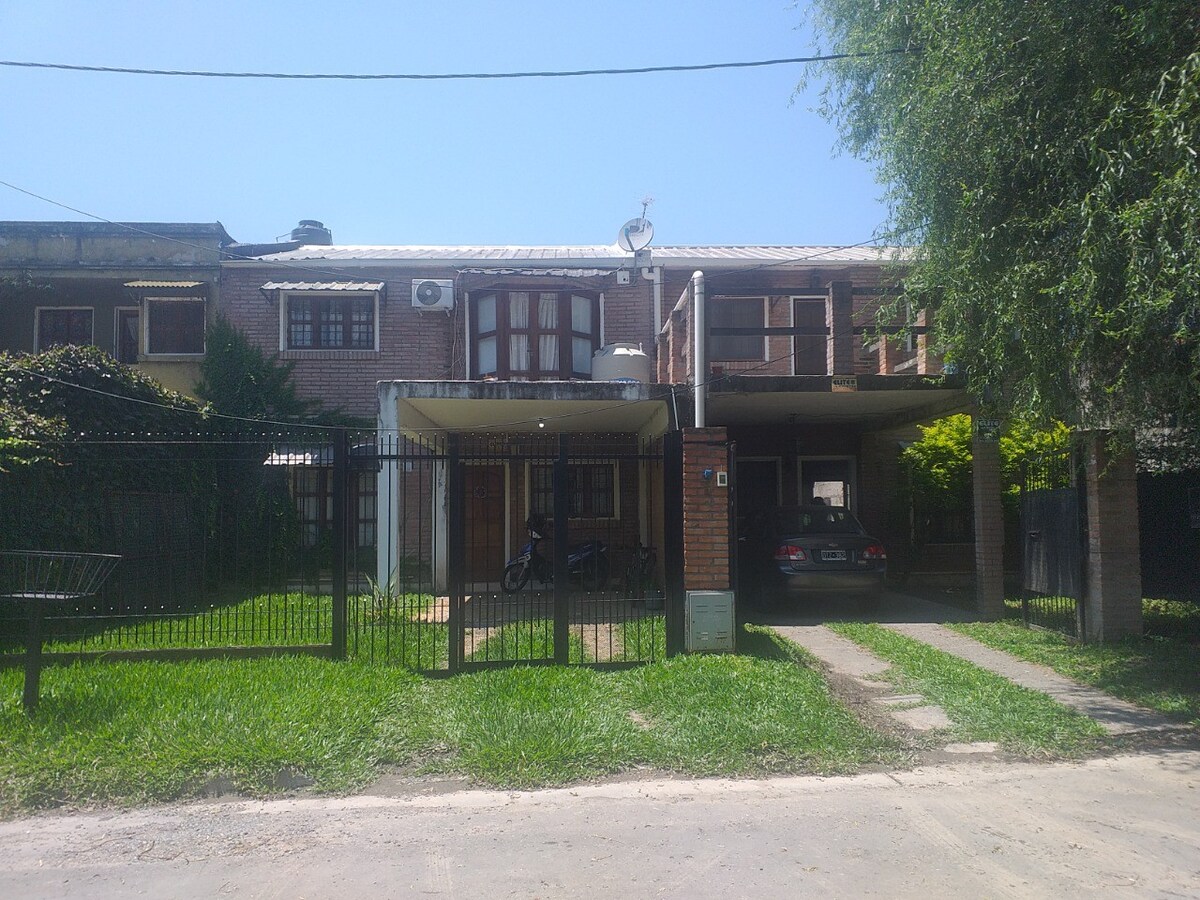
(817, 520)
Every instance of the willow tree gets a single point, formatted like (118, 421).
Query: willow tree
(1042, 157)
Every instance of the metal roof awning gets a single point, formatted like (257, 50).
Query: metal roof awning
(323, 286)
(548, 273)
(153, 285)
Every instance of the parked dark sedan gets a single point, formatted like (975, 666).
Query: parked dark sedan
(810, 550)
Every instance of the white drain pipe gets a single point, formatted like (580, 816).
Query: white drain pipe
(699, 356)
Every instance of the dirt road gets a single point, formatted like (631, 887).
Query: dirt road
(1122, 827)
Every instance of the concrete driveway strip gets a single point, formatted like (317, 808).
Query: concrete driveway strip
(1115, 716)
(1115, 827)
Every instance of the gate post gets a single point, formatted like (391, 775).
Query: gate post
(989, 525)
(1113, 588)
(456, 548)
(673, 539)
(341, 506)
(562, 510)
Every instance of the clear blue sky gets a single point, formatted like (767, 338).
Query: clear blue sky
(729, 157)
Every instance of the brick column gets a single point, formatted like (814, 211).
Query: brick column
(928, 362)
(891, 352)
(839, 310)
(989, 529)
(1113, 594)
(705, 511)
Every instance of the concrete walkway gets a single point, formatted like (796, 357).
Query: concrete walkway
(1115, 716)
(844, 657)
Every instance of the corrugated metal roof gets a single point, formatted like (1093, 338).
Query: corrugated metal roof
(553, 273)
(609, 253)
(323, 286)
(164, 284)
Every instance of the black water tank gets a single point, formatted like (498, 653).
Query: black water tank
(310, 231)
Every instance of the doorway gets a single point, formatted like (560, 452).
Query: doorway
(485, 518)
(830, 478)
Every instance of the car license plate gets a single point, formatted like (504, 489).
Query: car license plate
(833, 556)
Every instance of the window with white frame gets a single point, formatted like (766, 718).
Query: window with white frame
(175, 326)
(57, 326)
(532, 335)
(736, 312)
(314, 321)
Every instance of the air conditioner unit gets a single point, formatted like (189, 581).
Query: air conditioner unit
(433, 293)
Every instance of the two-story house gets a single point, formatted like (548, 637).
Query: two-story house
(508, 346)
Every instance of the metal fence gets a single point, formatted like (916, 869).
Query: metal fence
(404, 550)
(1053, 539)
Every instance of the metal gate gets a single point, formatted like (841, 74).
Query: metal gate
(1053, 541)
(497, 549)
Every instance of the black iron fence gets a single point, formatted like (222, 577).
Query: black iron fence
(1053, 541)
(436, 552)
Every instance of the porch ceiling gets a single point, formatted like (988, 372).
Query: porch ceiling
(519, 406)
(871, 401)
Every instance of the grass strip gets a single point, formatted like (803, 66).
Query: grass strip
(983, 705)
(132, 732)
(129, 732)
(1158, 673)
(747, 715)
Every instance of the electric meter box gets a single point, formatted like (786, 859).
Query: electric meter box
(710, 624)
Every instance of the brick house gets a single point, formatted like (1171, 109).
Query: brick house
(507, 349)
(141, 291)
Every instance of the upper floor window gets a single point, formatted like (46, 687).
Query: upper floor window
(58, 325)
(175, 325)
(532, 335)
(736, 312)
(330, 322)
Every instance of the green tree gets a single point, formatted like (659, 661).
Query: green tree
(938, 469)
(1042, 157)
(238, 379)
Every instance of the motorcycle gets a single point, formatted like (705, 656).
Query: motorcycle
(587, 563)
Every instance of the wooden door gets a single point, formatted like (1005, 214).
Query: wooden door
(484, 523)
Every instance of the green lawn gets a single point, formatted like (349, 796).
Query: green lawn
(1157, 672)
(984, 706)
(121, 732)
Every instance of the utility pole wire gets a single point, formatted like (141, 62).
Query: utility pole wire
(455, 76)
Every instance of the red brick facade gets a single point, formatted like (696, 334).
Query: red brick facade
(705, 510)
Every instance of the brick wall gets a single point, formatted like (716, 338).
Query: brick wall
(705, 510)
(412, 344)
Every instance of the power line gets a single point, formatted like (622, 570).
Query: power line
(458, 76)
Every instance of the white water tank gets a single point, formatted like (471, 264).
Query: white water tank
(621, 361)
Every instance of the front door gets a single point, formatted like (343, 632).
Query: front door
(485, 523)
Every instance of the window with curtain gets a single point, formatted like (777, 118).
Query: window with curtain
(534, 335)
(736, 312)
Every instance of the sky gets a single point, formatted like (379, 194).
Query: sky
(729, 157)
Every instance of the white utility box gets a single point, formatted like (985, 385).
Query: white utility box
(710, 624)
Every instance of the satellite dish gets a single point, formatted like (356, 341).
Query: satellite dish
(428, 293)
(635, 235)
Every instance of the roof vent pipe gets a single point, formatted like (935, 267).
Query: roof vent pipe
(310, 231)
(700, 357)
